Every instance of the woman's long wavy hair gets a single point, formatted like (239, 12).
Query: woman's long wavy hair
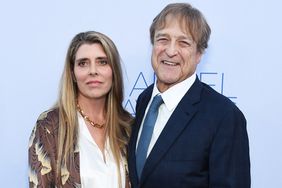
(118, 120)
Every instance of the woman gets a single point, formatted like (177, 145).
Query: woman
(81, 141)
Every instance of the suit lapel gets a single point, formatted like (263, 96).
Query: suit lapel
(178, 121)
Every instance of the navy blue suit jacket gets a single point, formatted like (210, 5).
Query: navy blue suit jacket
(203, 145)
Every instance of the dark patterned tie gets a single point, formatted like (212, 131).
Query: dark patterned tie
(146, 134)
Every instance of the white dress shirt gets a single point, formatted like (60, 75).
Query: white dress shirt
(171, 98)
(94, 171)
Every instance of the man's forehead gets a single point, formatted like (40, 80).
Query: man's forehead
(162, 30)
(175, 19)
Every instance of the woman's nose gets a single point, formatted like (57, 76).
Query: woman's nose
(93, 69)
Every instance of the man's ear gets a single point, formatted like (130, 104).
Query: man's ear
(199, 57)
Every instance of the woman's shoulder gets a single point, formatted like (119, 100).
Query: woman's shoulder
(48, 121)
(52, 113)
(45, 129)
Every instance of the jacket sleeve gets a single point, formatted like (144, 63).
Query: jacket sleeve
(42, 153)
(229, 156)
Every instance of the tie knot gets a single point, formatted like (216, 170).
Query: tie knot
(157, 101)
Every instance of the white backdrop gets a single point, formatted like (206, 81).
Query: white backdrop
(243, 62)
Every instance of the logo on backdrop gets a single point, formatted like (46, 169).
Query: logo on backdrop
(213, 79)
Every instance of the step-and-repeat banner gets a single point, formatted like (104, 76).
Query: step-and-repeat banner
(243, 62)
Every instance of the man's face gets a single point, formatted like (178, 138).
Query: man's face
(175, 56)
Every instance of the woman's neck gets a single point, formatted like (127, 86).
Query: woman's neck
(94, 108)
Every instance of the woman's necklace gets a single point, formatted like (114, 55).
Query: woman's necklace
(100, 126)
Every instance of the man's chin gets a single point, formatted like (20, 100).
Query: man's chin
(164, 84)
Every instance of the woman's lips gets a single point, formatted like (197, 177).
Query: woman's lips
(94, 83)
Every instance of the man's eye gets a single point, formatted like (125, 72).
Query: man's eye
(185, 43)
(161, 39)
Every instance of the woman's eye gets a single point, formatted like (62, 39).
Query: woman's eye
(81, 63)
(103, 62)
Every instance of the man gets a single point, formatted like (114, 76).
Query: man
(199, 137)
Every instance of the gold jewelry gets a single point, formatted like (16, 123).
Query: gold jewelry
(100, 126)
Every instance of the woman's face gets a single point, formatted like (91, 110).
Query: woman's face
(92, 71)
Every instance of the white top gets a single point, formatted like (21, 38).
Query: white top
(171, 98)
(94, 171)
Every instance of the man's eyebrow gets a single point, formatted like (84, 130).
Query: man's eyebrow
(161, 35)
(182, 37)
(186, 38)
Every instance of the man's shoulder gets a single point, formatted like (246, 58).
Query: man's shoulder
(211, 96)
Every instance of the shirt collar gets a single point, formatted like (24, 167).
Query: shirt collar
(173, 95)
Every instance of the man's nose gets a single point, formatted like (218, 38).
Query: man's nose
(172, 49)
